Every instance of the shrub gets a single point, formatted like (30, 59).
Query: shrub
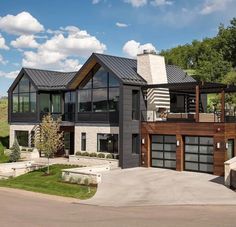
(79, 180)
(30, 149)
(78, 153)
(23, 149)
(93, 154)
(3, 158)
(15, 154)
(110, 156)
(72, 180)
(85, 154)
(101, 155)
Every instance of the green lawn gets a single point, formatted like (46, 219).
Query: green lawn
(36, 181)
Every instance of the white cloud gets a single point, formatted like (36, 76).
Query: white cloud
(25, 41)
(2, 61)
(121, 25)
(3, 44)
(211, 6)
(12, 74)
(161, 2)
(136, 3)
(21, 24)
(132, 48)
(57, 52)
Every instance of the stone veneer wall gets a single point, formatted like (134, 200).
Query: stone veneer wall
(91, 135)
(19, 127)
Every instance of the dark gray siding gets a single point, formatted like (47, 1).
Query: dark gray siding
(128, 127)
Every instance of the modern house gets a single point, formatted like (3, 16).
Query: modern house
(146, 112)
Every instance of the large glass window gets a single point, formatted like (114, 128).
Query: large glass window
(100, 100)
(99, 92)
(135, 105)
(69, 105)
(85, 100)
(135, 143)
(56, 103)
(83, 141)
(22, 138)
(108, 143)
(44, 103)
(24, 97)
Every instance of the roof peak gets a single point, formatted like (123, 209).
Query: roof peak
(115, 56)
(48, 70)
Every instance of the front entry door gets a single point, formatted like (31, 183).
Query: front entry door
(230, 150)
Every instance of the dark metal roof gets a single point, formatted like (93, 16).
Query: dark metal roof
(49, 80)
(126, 70)
(177, 75)
(123, 68)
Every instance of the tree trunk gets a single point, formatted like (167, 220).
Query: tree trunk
(48, 167)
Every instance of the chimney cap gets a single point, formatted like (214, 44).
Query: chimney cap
(149, 51)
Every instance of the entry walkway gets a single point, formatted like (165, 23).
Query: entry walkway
(153, 186)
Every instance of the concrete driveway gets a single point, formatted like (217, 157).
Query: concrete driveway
(152, 186)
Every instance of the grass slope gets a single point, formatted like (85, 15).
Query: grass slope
(4, 127)
(36, 181)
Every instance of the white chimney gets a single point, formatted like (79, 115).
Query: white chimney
(153, 69)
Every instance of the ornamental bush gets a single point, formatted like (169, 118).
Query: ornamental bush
(93, 154)
(110, 156)
(15, 154)
(101, 155)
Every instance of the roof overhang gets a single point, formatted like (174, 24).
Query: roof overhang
(205, 87)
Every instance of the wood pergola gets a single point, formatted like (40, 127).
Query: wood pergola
(198, 88)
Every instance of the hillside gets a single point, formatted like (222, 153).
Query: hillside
(210, 59)
(4, 127)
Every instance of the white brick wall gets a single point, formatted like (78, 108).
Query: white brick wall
(91, 136)
(14, 128)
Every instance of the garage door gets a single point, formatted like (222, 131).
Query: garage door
(163, 151)
(199, 154)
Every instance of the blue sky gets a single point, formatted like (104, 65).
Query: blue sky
(62, 34)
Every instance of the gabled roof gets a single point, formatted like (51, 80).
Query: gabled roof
(123, 68)
(49, 80)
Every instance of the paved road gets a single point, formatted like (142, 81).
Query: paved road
(19, 208)
(152, 186)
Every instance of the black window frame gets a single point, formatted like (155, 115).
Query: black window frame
(92, 90)
(115, 142)
(135, 143)
(83, 141)
(135, 105)
(21, 107)
(19, 134)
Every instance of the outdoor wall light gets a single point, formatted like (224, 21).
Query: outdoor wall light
(218, 145)
(226, 145)
(177, 143)
(143, 141)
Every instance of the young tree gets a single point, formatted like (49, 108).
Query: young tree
(15, 153)
(50, 139)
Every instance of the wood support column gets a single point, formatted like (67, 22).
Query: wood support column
(145, 150)
(197, 94)
(222, 116)
(179, 153)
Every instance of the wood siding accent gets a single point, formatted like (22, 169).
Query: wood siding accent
(220, 132)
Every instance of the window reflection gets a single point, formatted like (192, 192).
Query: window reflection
(99, 92)
(24, 97)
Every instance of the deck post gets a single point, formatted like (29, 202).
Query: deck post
(197, 93)
(222, 116)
